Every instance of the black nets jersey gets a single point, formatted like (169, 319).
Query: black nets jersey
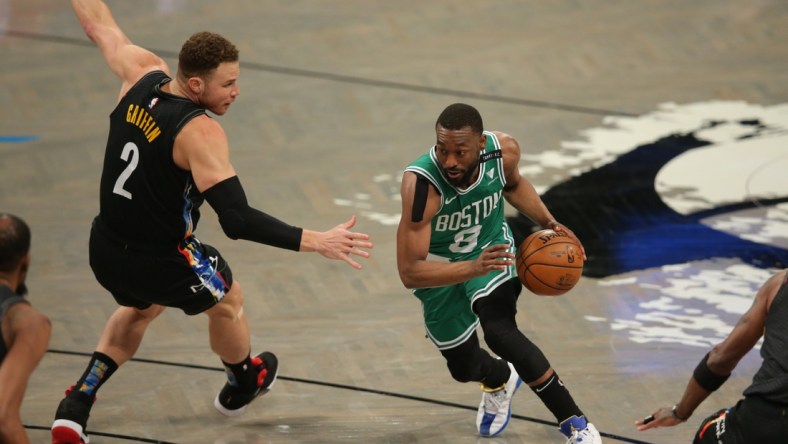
(144, 197)
(7, 299)
(771, 380)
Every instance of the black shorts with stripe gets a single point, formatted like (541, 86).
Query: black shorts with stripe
(191, 276)
(752, 420)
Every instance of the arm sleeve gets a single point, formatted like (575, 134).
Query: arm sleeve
(240, 221)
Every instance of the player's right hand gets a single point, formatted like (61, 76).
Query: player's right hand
(494, 258)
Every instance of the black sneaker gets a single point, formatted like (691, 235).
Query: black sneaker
(70, 421)
(231, 401)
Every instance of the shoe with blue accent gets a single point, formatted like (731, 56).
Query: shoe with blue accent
(579, 431)
(495, 410)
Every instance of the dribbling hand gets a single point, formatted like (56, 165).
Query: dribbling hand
(561, 228)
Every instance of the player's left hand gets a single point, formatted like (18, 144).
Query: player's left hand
(561, 228)
(340, 243)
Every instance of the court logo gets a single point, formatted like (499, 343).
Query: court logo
(682, 184)
(683, 213)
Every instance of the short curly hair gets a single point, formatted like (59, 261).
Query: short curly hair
(459, 115)
(204, 52)
(14, 241)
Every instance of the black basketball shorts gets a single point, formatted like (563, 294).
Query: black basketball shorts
(752, 420)
(192, 276)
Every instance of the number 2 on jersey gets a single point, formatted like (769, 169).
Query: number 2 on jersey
(129, 150)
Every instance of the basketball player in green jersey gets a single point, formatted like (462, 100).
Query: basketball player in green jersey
(455, 251)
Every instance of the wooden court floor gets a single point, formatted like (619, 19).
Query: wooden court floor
(336, 98)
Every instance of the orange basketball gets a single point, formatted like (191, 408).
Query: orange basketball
(549, 263)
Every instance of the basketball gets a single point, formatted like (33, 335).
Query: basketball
(549, 263)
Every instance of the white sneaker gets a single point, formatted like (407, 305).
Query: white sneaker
(580, 431)
(496, 407)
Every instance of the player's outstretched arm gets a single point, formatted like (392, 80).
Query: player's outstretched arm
(717, 365)
(241, 221)
(337, 243)
(202, 148)
(128, 61)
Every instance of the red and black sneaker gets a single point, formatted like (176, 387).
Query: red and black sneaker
(232, 401)
(71, 419)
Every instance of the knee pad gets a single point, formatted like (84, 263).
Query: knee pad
(465, 370)
(466, 362)
(511, 345)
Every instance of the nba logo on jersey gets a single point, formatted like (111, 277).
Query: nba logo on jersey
(153, 102)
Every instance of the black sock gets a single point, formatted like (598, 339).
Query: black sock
(99, 369)
(557, 398)
(241, 375)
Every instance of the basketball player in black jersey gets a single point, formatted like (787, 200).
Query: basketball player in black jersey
(762, 415)
(24, 330)
(164, 157)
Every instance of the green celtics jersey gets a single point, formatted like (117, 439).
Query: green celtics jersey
(472, 219)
